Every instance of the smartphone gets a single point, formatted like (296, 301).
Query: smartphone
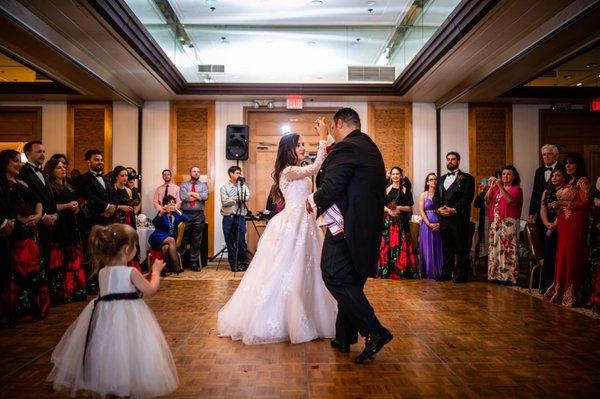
(484, 181)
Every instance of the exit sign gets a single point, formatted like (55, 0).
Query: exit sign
(595, 104)
(294, 102)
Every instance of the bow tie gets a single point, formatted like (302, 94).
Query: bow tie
(38, 169)
(452, 173)
(97, 174)
(549, 168)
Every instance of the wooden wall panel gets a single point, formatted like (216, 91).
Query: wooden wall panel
(20, 125)
(89, 126)
(390, 126)
(490, 139)
(191, 143)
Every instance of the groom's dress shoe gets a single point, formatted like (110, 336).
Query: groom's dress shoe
(373, 344)
(343, 348)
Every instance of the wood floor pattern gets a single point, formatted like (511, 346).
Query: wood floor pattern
(451, 341)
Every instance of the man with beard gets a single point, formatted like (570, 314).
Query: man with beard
(32, 174)
(167, 188)
(100, 200)
(452, 199)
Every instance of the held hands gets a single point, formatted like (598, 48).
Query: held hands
(446, 211)
(322, 127)
(309, 208)
(434, 226)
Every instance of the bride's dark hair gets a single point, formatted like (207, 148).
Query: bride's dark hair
(286, 156)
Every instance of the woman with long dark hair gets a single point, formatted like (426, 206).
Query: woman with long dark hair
(397, 258)
(548, 216)
(66, 274)
(505, 201)
(125, 206)
(27, 294)
(282, 295)
(430, 239)
(572, 223)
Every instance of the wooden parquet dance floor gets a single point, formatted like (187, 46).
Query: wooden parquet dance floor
(451, 341)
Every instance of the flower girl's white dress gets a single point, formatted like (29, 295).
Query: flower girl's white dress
(127, 354)
(282, 295)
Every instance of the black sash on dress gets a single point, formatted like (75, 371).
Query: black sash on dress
(108, 297)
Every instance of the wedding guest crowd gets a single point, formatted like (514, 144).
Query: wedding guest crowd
(45, 219)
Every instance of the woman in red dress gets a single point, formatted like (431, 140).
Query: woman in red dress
(572, 222)
(66, 272)
(28, 294)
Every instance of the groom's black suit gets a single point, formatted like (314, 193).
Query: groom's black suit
(353, 178)
(455, 229)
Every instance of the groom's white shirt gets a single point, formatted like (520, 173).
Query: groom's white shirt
(332, 217)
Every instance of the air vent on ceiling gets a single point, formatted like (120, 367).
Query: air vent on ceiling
(205, 68)
(366, 73)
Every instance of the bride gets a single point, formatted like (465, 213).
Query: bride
(282, 295)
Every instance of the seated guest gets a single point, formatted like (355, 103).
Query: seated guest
(505, 201)
(233, 208)
(125, 206)
(136, 196)
(430, 240)
(397, 258)
(28, 297)
(167, 188)
(572, 224)
(548, 217)
(66, 270)
(164, 237)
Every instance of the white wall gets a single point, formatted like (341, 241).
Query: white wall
(454, 121)
(54, 123)
(155, 150)
(125, 132)
(424, 146)
(226, 113)
(526, 146)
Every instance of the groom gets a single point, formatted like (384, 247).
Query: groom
(352, 186)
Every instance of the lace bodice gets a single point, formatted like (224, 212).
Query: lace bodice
(295, 182)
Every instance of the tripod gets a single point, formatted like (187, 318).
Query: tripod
(235, 242)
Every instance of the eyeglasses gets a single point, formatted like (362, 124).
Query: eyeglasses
(432, 179)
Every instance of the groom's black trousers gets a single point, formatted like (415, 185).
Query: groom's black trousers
(355, 313)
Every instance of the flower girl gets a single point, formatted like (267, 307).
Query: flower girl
(116, 347)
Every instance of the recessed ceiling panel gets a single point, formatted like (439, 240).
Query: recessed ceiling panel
(289, 41)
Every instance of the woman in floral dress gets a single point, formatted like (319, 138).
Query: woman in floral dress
(504, 200)
(397, 258)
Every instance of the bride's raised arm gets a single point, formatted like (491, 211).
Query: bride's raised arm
(300, 172)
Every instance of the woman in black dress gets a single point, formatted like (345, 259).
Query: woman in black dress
(125, 206)
(27, 296)
(66, 272)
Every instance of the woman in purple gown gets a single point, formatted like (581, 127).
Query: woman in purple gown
(430, 240)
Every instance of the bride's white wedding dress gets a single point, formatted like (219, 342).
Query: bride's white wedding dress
(282, 295)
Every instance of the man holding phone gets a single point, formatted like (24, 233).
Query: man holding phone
(234, 196)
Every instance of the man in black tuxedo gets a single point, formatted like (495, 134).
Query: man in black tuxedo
(541, 179)
(452, 199)
(352, 179)
(32, 173)
(98, 193)
(540, 183)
